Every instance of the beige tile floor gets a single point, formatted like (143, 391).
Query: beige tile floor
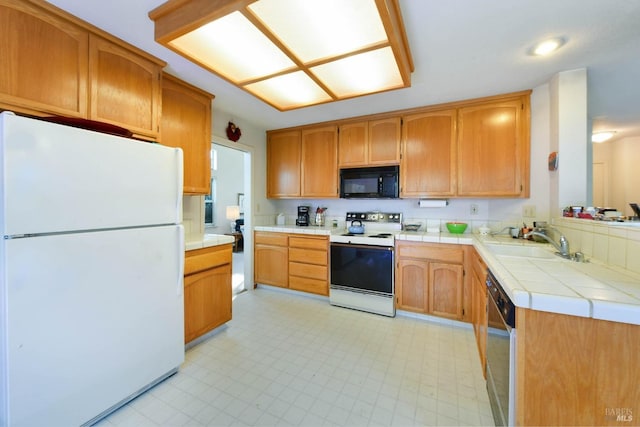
(288, 359)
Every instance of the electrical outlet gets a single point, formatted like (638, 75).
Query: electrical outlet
(528, 211)
(474, 209)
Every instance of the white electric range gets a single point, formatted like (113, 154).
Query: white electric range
(362, 262)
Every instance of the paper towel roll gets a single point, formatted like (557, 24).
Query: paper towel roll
(432, 203)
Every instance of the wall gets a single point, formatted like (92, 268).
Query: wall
(568, 131)
(623, 180)
(615, 245)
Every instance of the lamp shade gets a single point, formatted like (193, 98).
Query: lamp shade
(233, 212)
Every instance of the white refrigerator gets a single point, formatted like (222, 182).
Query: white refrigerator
(91, 271)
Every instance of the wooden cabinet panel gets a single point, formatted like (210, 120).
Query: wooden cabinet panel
(428, 165)
(124, 88)
(493, 149)
(43, 61)
(319, 272)
(308, 264)
(411, 285)
(186, 123)
(319, 243)
(384, 141)
(271, 265)
(319, 172)
(207, 300)
(445, 290)
(308, 256)
(352, 144)
(283, 164)
(272, 239)
(207, 290)
(202, 259)
(430, 279)
(479, 306)
(306, 284)
(573, 370)
(434, 252)
(371, 143)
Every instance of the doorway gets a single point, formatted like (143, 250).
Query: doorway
(232, 179)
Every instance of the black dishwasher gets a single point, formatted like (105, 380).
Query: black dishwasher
(501, 347)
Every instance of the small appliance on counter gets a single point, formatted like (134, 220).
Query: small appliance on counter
(320, 215)
(303, 216)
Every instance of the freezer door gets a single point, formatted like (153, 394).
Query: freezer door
(59, 178)
(91, 319)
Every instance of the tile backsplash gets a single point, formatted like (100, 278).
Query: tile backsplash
(613, 244)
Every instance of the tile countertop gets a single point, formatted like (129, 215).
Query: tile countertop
(208, 240)
(556, 285)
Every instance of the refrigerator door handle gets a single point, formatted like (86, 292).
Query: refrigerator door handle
(180, 249)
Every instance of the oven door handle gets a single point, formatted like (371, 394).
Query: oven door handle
(352, 245)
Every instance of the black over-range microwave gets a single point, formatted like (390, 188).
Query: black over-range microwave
(369, 183)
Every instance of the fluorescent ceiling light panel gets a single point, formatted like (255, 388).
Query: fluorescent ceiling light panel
(292, 53)
(289, 91)
(316, 29)
(373, 71)
(234, 48)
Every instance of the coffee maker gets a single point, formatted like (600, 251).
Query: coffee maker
(303, 216)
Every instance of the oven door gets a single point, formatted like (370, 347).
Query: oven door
(362, 267)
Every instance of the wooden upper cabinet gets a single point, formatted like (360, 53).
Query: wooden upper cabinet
(384, 141)
(43, 61)
(186, 123)
(124, 87)
(283, 164)
(428, 165)
(352, 144)
(319, 172)
(493, 149)
(370, 143)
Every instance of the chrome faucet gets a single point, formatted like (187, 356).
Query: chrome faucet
(562, 246)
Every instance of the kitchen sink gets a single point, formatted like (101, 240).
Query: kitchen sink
(521, 251)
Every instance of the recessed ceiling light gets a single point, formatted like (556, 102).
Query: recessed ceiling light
(547, 46)
(602, 136)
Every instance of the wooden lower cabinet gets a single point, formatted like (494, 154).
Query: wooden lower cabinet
(207, 290)
(430, 279)
(576, 370)
(271, 259)
(295, 261)
(309, 264)
(479, 306)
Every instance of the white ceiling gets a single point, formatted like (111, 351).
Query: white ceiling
(461, 49)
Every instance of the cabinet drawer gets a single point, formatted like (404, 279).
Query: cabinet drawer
(205, 258)
(307, 270)
(437, 252)
(274, 239)
(308, 242)
(309, 285)
(308, 256)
